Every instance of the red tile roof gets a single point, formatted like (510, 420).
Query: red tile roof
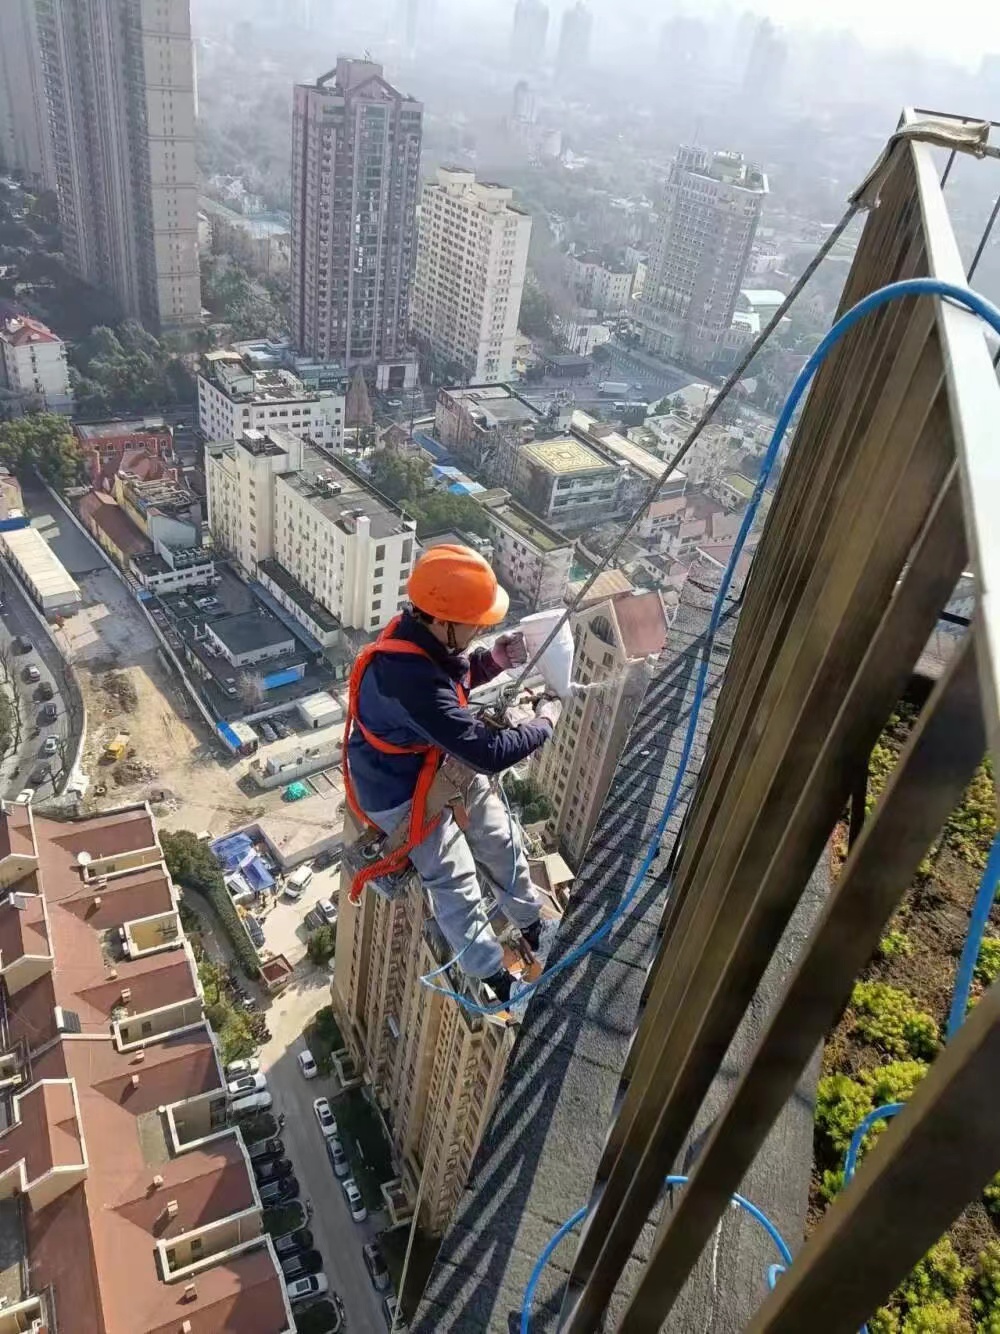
(100, 511)
(23, 330)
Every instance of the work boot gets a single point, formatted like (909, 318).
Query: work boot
(500, 983)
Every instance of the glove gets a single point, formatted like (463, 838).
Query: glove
(510, 651)
(550, 709)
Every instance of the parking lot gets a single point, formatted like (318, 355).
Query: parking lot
(285, 929)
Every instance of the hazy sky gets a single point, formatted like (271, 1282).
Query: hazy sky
(963, 32)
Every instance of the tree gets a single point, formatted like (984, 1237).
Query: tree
(399, 476)
(321, 945)
(444, 509)
(127, 368)
(527, 798)
(537, 312)
(190, 860)
(42, 442)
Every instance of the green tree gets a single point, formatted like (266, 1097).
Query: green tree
(399, 476)
(190, 860)
(444, 509)
(527, 798)
(42, 442)
(321, 945)
(537, 312)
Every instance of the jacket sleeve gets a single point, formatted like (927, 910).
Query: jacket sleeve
(483, 667)
(438, 716)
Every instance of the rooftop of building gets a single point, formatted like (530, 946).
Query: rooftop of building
(606, 437)
(343, 496)
(186, 559)
(290, 586)
(236, 375)
(494, 404)
(106, 514)
(565, 455)
(527, 525)
(162, 494)
(120, 430)
(34, 555)
(23, 331)
(248, 631)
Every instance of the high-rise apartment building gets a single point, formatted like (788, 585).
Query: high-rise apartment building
(119, 79)
(127, 1197)
(765, 67)
(708, 217)
(573, 54)
(527, 36)
(326, 545)
(355, 159)
(25, 139)
(614, 638)
(472, 254)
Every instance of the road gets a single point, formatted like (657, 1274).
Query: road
(337, 1236)
(18, 618)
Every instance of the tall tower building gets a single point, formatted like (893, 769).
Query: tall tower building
(765, 67)
(614, 639)
(355, 158)
(119, 82)
(25, 140)
(708, 218)
(527, 37)
(472, 254)
(573, 54)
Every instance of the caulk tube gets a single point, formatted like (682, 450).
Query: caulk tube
(556, 663)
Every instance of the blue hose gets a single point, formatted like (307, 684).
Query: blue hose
(854, 1148)
(543, 1259)
(979, 920)
(894, 291)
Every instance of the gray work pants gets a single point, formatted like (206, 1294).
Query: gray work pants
(446, 861)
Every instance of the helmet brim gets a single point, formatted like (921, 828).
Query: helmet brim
(500, 608)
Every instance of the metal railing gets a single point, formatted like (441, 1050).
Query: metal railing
(892, 488)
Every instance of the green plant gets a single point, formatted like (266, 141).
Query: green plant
(895, 944)
(924, 1303)
(832, 1184)
(988, 964)
(192, 865)
(321, 944)
(842, 1103)
(528, 798)
(889, 1017)
(893, 1082)
(972, 825)
(991, 1197)
(986, 1289)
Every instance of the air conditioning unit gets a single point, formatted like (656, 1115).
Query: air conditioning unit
(190, 1293)
(172, 1208)
(97, 900)
(135, 1081)
(126, 994)
(157, 1181)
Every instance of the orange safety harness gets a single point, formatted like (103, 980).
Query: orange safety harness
(419, 825)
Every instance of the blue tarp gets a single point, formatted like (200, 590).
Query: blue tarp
(283, 678)
(229, 737)
(236, 852)
(433, 447)
(466, 488)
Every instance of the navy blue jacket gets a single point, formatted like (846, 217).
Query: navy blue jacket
(406, 699)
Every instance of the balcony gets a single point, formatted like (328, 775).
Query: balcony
(685, 1042)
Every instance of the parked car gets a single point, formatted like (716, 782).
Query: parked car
(378, 1270)
(237, 1069)
(265, 1148)
(267, 731)
(338, 1158)
(276, 1192)
(240, 1088)
(254, 1102)
(281, 728)
(325, 859)
(272, 1169)
(49, 713)
(49, 746)
(328, 910)
(313, 919)
(302, 1289)
(325, 1117)
(308, 1262)
(292, 1242)
(307, 1065)
(390, 1305)
(22, 645)
(355, 1203)
(39, 775)
(298, 881)
(257, 936)
(31, 674)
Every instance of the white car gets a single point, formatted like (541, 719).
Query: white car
(329, 912)
(307, 1065)
(354, 1201)
(301, 1289)
(237, 1069)
(241, 1088)
(325, 1117)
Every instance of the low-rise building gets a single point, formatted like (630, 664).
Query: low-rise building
(484, 425)
(567, 481)
(532, 560)
(113, 529)
(614, 638)
(33, 363)
(48, 581)
(602, 284)
(136, 1194)
(167, 512)
(169, 569)
(105, 445)
(235, 395)
(322, 541)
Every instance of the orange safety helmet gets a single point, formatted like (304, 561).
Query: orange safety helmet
(453, 583)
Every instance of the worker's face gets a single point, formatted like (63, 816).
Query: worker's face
(453, 635)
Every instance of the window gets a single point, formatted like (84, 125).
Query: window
(197, 1246)
(147, 1027)
(380, 551)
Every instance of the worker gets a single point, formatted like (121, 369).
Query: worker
(409, 710)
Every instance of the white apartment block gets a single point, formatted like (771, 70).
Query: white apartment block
(531, 560)
(708, 219)
(327, 546)
(472, 253)
(119, 85)
(614, 638)
(599, 284)
(234, 397)
(33, 363)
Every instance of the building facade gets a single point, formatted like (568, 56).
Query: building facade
(573, 54)
(708, 218)
(484, 425)
(472, 254)
(321, 540)
(137, 1192)
(25, 137)
(566, 482)
(528, 34)
(600, 284)
(355, 160)
(33, 363)
(128, 203)
(532, 560)
(234, 396)
(614, 638)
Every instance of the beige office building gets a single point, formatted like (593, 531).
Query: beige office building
(472, 254)
(614, 638)
(119, 84)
